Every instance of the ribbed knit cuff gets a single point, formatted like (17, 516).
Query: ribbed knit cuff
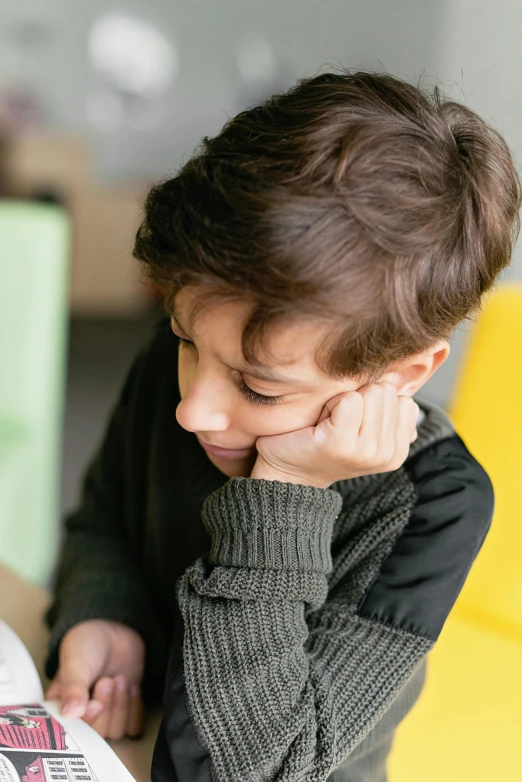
(257, 523)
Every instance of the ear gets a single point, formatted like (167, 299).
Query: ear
(410, 374)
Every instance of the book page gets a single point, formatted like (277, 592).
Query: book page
(19, 680)
(37, 744)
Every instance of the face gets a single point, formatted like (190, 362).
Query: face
(226, 403)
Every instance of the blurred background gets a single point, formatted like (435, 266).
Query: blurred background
(99, 99)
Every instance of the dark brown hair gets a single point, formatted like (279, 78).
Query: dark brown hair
(355, 199)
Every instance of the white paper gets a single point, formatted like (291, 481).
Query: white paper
(36, 742)
(19, 680)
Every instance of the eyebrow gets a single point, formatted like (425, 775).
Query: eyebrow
(267, 375)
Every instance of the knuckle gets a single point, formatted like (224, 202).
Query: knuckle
(395, 463)
(104, 697)
(388, 387)
(388, 456)
(407, 402)
(400, 457)
(351, 398)
(375, 389)
(370, 453)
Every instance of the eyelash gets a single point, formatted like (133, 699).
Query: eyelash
(244, 390)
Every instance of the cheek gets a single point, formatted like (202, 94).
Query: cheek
(184, 371)
(279, 419)
(262, 421)
(181, 376)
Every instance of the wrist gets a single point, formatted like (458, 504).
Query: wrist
(263, 471)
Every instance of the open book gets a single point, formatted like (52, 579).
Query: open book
(37, 744)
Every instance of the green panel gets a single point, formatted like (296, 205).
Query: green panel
(34, 254)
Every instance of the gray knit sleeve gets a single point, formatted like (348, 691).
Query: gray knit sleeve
(283, 674)
(268, 699)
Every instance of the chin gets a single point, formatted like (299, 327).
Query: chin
(234, 469)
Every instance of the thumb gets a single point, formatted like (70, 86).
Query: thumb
(54, 691)
(77, 676)
(74, 696)
(332, 403)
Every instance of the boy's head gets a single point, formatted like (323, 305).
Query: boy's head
(356, 208)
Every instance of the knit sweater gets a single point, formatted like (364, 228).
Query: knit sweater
(284, 621)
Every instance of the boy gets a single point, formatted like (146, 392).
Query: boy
(270, 508)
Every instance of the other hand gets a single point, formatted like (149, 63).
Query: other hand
(358, 433)
(99, 675)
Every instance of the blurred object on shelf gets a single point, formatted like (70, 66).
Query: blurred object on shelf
(257, 72)
(105, 277)
(40, 160)
(133, 65)
(22, 42)
(132, 55)
(4, 147)
(58, 168)
(20, 109)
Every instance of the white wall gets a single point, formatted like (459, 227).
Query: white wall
(305, 35)
(480, 52)
(479, 60)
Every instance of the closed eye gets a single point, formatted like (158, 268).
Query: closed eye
(244, 390)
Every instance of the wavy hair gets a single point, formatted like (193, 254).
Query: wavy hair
(355, 199)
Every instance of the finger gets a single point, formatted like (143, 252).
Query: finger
(407, 416)
(415, 433)
(390, 422)
(74, 696)
(76, 676)
(373, 414)
(94, 708)
(346, 413)
(103, 692)
(54, 691)
(120, 704)
(135, 712)
(411, 417)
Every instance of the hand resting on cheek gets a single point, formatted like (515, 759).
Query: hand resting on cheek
(358, 433)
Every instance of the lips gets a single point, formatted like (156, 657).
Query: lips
(226, 453)
(224, 448)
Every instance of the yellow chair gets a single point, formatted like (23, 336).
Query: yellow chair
(467, 724)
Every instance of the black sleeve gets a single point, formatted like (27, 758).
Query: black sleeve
(286, 669)
(98, 575)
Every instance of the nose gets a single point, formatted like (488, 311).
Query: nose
(206, 406)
